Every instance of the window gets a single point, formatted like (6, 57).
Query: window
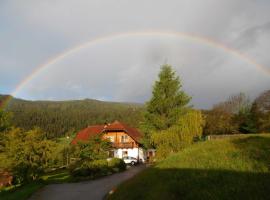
(124, 138)
(124, 153)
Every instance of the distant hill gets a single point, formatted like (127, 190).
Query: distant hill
(58, 118)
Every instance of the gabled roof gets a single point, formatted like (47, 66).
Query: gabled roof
(118, 126)
(86, 133)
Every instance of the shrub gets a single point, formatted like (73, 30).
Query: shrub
(98, 167)
(117, 163)
(80, 172)
(92, 169)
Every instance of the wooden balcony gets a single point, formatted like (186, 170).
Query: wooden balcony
(123, 144)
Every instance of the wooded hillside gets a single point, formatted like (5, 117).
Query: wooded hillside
(58, 118)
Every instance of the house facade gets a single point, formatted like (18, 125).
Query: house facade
(125, 140)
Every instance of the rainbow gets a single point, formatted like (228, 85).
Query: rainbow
(188, 36)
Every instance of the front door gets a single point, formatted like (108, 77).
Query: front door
(124, 154)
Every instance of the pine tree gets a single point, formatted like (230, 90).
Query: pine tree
(168, 101)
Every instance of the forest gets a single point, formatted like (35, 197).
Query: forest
(236, 114)
(58, 118)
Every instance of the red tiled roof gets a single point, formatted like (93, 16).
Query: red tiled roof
(87, 132)
(97, 129)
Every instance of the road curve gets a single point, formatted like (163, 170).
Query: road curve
(90, 190)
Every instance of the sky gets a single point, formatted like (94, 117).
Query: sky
(123, 66)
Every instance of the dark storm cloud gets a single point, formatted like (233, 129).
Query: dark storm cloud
(31, 32)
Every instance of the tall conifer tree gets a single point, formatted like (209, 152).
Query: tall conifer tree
(168, 101)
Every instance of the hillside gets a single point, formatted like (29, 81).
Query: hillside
(223, 169)
(59, 117)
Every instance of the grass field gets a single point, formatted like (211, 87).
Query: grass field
(25, 191)
(221, 169)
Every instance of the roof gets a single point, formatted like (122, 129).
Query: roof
(86, 133)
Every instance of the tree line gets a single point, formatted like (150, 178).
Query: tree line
(238, 114)
(57, 118)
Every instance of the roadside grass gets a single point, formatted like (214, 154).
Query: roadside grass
(20, 192)
(23, 192)
(237, 168)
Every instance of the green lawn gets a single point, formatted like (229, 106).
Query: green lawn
(25, 191)
(222, 169)
(20, 192)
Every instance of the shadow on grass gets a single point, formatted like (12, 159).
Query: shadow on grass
(253, 182)
(170, 184)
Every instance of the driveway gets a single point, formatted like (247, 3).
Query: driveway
(90, 190)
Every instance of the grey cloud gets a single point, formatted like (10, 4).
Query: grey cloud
(32, 32)
(249, 37)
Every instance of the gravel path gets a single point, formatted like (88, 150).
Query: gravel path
(90, 190)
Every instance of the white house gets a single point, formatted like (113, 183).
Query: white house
(125, 140)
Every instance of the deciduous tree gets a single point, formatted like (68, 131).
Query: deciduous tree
(261, 112)
(187, 129)
(30, 153)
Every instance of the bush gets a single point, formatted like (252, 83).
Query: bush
(98, 167)
(80, 172)
(90, 169)
(117, 163)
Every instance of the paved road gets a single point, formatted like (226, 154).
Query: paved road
(90, 190)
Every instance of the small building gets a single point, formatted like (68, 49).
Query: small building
(125, 140)
(5, 179)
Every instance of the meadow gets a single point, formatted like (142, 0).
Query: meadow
(236, 168)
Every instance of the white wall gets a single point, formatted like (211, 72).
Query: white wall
(118, 153)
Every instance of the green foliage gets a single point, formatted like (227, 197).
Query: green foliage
(97, 168)
(174, 139)
(168, 101)
(223, 169)
(245, 122)
(30, 153)
(91, 169)
(91, 157)
(95, 148)
(4, 121)
(167, 104)
(117, 163)
(4, 127)
(57, 118)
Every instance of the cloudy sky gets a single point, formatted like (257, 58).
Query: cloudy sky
(122, 66)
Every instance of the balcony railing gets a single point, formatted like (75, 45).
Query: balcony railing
(123, 144)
